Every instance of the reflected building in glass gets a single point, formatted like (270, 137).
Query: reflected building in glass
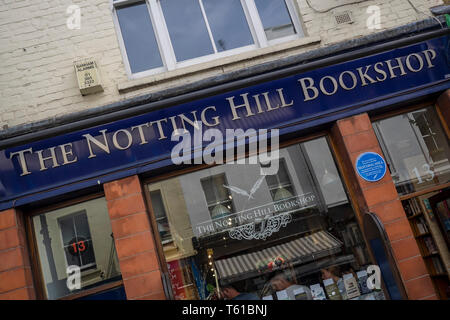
(231, 224)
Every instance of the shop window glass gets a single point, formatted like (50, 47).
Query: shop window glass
(416, 149)
(77, 240)
(160, 216)
(79, 235)
(303, 242)
(279, 184)
(218, 199)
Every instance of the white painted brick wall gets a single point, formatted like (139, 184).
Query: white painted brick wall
(37, 50)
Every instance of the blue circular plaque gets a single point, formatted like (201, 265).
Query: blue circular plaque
(371, 166)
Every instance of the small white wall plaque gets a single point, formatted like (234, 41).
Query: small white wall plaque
(88, 76)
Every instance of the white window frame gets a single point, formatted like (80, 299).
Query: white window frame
(169, 240)
(72, 216)
(164, 43)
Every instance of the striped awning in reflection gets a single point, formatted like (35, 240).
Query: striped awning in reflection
(314, 246)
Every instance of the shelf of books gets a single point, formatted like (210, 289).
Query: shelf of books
(418, 215)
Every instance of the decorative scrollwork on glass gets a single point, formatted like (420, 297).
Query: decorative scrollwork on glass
(268, 226)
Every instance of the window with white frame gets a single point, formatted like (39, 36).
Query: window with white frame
(77, 240)
(162, 35)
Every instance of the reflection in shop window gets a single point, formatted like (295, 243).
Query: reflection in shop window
(416, 149)
(219, 200)
(280, 185)
(160, 216)
(302, 244)
(77, 240)
(78, 235)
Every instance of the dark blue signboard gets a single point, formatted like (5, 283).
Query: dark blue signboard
(295, 102)
(371, 166)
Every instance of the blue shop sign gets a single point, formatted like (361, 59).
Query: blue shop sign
(371, 166)
(295, 102)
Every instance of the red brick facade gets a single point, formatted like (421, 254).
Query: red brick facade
(134, 240)
(16, 281)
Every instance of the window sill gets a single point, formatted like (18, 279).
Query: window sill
(136, 84)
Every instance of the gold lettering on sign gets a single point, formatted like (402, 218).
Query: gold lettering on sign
(234, 107)
(160, 129)
(215, 119)
(128, 136)
(307, 87)
(268, 104)
(52, 157)
(380, 71)
(66, 153)
(240, 107)
(258, 103)
(364, 76)
(398, 66)
(141, 132)
(392, 68)
(429, 57)
(104, 146)
(283, 102)
(22, 162)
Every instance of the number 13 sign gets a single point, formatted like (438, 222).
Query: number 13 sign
(77, 246)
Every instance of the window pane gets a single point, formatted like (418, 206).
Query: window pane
(416, 149)
(73, 258)
(214, 189)
(228, 24)
(160, 215)
(289, 245)
(82, 226)
(275, 18)
(78, 235)
(87, 253)
(187, 28)
(139, 38)
(279, 179)
(325, 171)
(280, 184)
(67, 230)
(219, 199)
(157, 204)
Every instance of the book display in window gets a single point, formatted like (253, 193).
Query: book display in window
(428, 240)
